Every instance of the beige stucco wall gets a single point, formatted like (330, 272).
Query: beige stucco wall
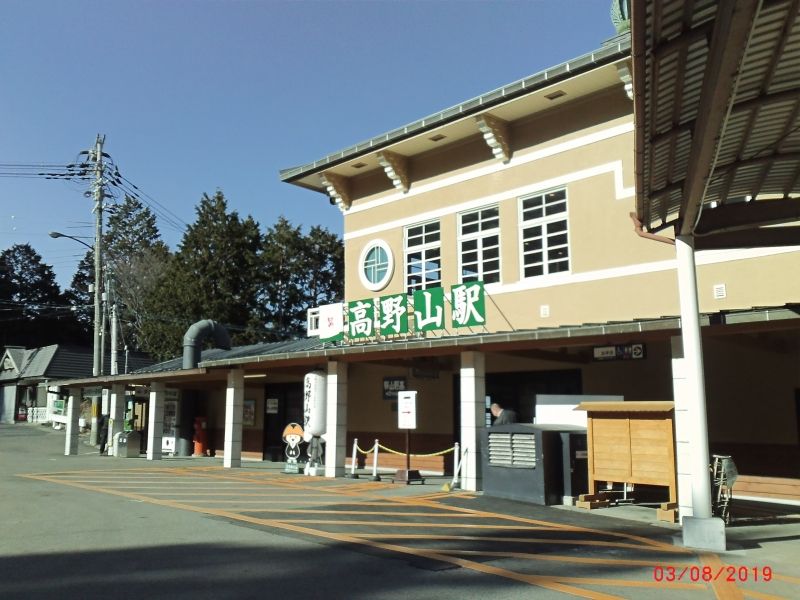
(368, 411)
(614, 274)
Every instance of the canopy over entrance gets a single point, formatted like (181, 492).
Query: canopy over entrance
(717, 111)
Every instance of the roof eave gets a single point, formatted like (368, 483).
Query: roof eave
(608, 54)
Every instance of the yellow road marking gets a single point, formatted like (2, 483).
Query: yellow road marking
(287, 497)
(550, 582)
(290, 483)
(723, 589)
(376, 513)
(539, 580)
(762, 596)
(642, 540)
(424, 525)
(787, 578)
(565, 558)
(478, 538)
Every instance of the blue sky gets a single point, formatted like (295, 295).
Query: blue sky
(195, 96)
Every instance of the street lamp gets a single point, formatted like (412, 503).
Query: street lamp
(56, 234)
(96, 348)
(97, 312)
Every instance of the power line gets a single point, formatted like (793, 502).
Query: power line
(90, 167)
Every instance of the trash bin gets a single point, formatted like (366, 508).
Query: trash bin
(127, 444)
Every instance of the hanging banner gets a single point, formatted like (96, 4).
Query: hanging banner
(389, 315)
(393, 318)
(331, 322)
(469, 305)
(361, 319)
(429, 309)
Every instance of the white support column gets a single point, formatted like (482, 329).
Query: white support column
(116, 412)
(473, 416)
(336, 419)
(700, 529)
(693, 399)
(234, 407)
(155, 421)
(683, 430)
(73, 412)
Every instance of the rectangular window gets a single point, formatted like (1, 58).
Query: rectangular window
(544, 234)
(479, 245)
(423, 249)
(312, 322)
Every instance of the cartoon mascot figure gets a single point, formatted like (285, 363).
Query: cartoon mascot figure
(293, 436)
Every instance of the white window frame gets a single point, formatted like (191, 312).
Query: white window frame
(424, 248)
(387, 277)
(543, 222)
(312, 321)
(479, 236)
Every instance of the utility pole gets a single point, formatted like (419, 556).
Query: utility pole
(98, 272)
(98, 247)
(104, 326)
(112, 300)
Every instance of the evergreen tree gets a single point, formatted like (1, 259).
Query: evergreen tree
(282, 282)
(137, 261)
(79, 294)
(215, 275)
(131, 229)
(301, 272)
(324, 267)
(134, 260)
(33, 310)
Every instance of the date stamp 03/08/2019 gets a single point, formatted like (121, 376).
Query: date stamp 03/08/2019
(708, 574)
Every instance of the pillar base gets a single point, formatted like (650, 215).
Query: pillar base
(704, 533)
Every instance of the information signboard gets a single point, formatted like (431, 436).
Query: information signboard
(407, 409)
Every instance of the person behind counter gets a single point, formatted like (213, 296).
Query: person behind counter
(502, 416)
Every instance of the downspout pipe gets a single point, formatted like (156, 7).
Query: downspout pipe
(639, 229)
(197, 334)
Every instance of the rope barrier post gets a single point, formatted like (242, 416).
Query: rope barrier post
(375, 476)
(353, 474)
(456, 465)
(456, 468)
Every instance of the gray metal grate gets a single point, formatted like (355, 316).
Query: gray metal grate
(512, 450)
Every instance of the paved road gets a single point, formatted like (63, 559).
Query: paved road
(90, 526)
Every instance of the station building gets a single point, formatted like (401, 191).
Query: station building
(491, 256)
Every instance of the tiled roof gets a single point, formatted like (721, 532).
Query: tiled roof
(300, 345)
(61, 361)
(17, 355)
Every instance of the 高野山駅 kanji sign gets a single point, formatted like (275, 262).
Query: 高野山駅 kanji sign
(389, 316)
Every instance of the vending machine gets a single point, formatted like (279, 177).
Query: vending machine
(170, 434)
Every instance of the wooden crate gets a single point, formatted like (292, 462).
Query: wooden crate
(631, 443)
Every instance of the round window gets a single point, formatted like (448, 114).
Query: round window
(376, 265)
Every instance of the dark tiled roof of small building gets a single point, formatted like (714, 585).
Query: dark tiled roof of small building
(263, 349)
(61, 361)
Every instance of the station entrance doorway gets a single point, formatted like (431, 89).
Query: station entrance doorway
(283, 404)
